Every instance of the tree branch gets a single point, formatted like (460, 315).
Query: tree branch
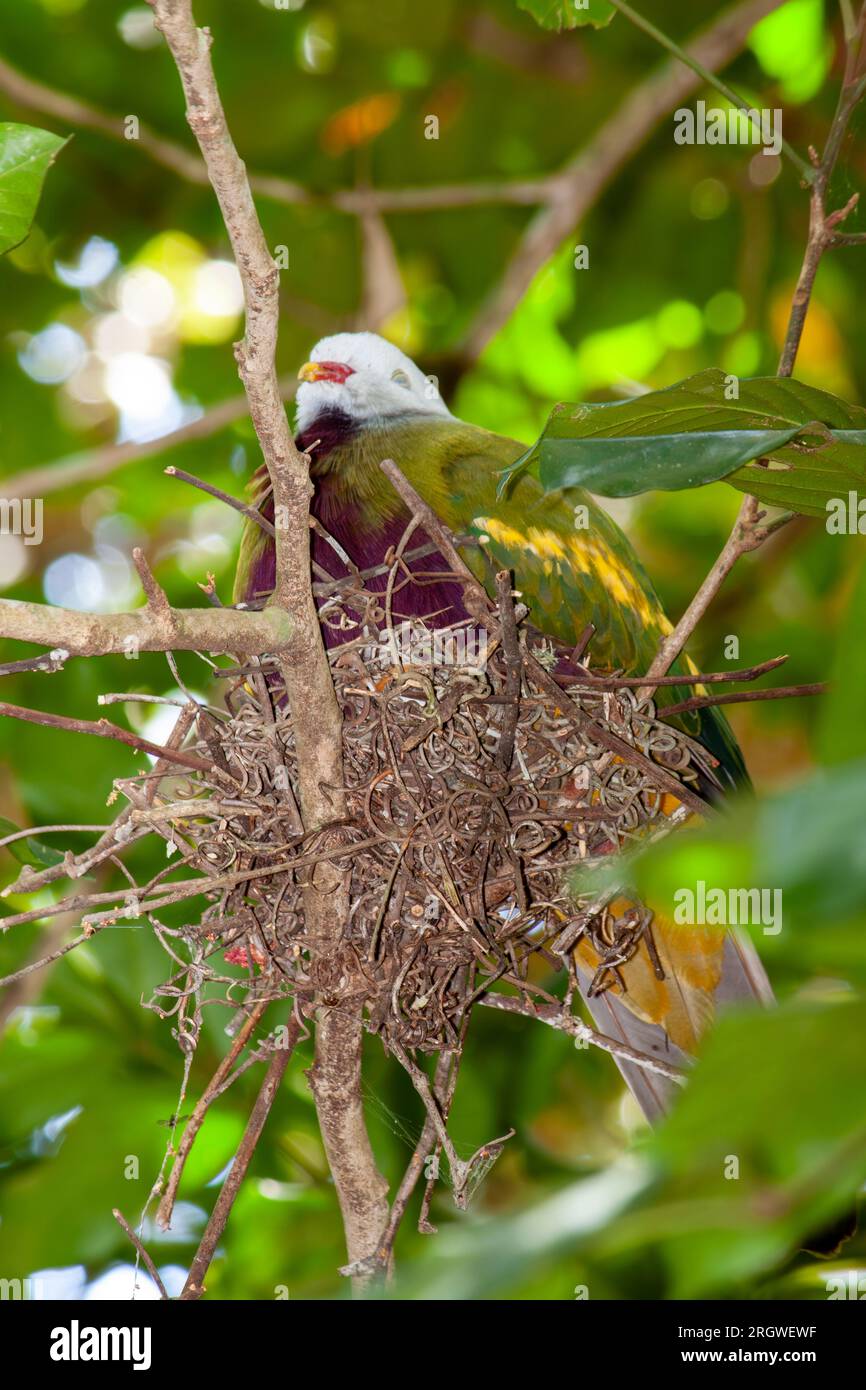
(251, 513)
(82, 115)
(153, 590)
(76, 866)
(194, 1286)
(747, 533)
(103, 728)
(315, 713)
(581, 182)
(823, 225)
(742, 697)
(238, 631)
(50, 662)
(197, 1118)
(565, 1022)
(693, 62)
(97, 463)
(140, 1250)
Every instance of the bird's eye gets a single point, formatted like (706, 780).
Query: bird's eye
(401, 378)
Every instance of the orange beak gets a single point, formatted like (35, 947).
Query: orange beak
(325, 371)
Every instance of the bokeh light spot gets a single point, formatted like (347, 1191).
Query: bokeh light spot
(146, 298)
(137, 29)
(725, 312)
(680, 324)
(53, 355)
(217, 289)
(95, 263)
(709, 199)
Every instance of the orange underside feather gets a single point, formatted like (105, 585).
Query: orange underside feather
(682, 1002)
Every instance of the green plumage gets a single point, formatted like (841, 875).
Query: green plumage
(572, 563)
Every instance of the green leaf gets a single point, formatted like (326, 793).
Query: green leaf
(568, 14)
(29, 851)
(792, 1175)
(619, 467)
(841, 730)
(811, 445)
(675, 1202)
(806, 843)
(25, 156)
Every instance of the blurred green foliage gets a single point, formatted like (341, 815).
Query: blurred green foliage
(693, 255)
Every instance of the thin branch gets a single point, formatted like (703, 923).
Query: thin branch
(461, 1170)
(647, 27)
(240, 632)
(135, 697)
(747, 673)
(48, 959)
(49, 661)
(565, 1022)
(823, 226)
(514, 669)
(103, 728)
(581, 182)
(196, 1119)
(93, 464)
(849, 239)
(475, 595)
(113, 836)
(444, 1082)
(151, 1267)
(154, 592)
(741, 697)
(46, 830)
(252, 513)
(194, 1286)
(747, 533)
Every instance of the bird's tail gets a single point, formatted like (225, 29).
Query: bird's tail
(662, 1000)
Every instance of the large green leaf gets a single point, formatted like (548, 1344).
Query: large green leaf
(568, 14)
(708, 1225)
(805, 842)
(793, 1175)
(811, 445)
(841, 729)
(25, 156)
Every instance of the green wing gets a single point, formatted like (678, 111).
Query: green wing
(572, 563)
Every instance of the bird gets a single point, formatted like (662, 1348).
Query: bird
(362, 400)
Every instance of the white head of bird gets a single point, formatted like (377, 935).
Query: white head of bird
(367, 379)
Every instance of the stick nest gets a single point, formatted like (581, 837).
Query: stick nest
(471, 794)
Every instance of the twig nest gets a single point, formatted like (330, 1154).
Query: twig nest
(458, 856)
